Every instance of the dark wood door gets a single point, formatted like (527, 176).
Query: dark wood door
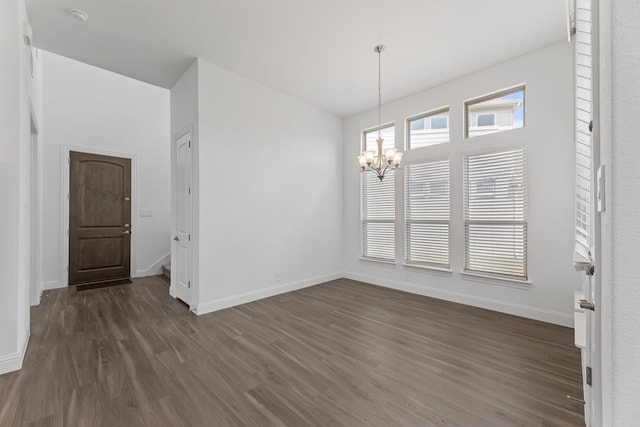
(99, 218)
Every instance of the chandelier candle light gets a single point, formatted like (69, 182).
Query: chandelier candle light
(380, 162)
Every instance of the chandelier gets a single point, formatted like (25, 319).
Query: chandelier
(380, 162)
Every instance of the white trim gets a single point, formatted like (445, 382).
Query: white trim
(233, 300)
(429, 268)
(13, 362)
(535, 313)
(378, 260)
(495, 280)
(35, 300)
(155, 268)
(64, 255)
(52, 284)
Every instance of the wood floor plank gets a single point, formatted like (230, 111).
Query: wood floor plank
(342, 354)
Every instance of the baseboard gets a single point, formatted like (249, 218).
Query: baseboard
(535, 313)
(155, 268)
(231, 301)
(35, 300)
(52, 284)
(13, 362)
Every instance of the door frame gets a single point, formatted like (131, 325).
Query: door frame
(35, 210)
(64, 229)
(193, 304)
(595, 317)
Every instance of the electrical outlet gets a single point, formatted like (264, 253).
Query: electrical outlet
(277, 276)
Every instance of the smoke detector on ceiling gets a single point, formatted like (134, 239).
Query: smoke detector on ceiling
(80, 15)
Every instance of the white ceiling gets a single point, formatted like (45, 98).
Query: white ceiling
(319, 51)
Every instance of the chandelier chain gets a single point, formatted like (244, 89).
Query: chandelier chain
(379, 90)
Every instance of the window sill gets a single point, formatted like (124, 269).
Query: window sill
(377, 260)
(493, 280)
(429, 268)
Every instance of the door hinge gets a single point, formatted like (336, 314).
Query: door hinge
(189, 237)
(189, 144)
(68, 196)
(189, 284)
(588, 375)
(189, 190)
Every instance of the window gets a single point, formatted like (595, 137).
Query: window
(497, 112)
(487, 119)
(418, 124)
(378, 204)
(439, 122)
(495, 212)
(428, 129)
(427, 214)
(583, 65)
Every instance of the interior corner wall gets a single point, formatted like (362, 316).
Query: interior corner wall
(91, 108)
(548, 137)
(269, 191)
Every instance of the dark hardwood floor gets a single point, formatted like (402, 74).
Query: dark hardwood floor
(337, 354)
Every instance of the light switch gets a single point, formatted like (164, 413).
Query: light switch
(146, 212)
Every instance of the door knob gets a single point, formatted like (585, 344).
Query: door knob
(126, 232)
(587, 305)
(176, 239)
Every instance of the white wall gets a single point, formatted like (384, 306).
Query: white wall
(19, 101)
(548, 138)
(620, 153)
(85, 106)
(269, 191)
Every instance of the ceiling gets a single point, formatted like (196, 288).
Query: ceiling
(319, 51)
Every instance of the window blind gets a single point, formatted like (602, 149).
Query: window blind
(427, 214)
(495, 210)
(378, 204)
(583, 108)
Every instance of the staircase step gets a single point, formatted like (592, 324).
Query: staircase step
(166, 270)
